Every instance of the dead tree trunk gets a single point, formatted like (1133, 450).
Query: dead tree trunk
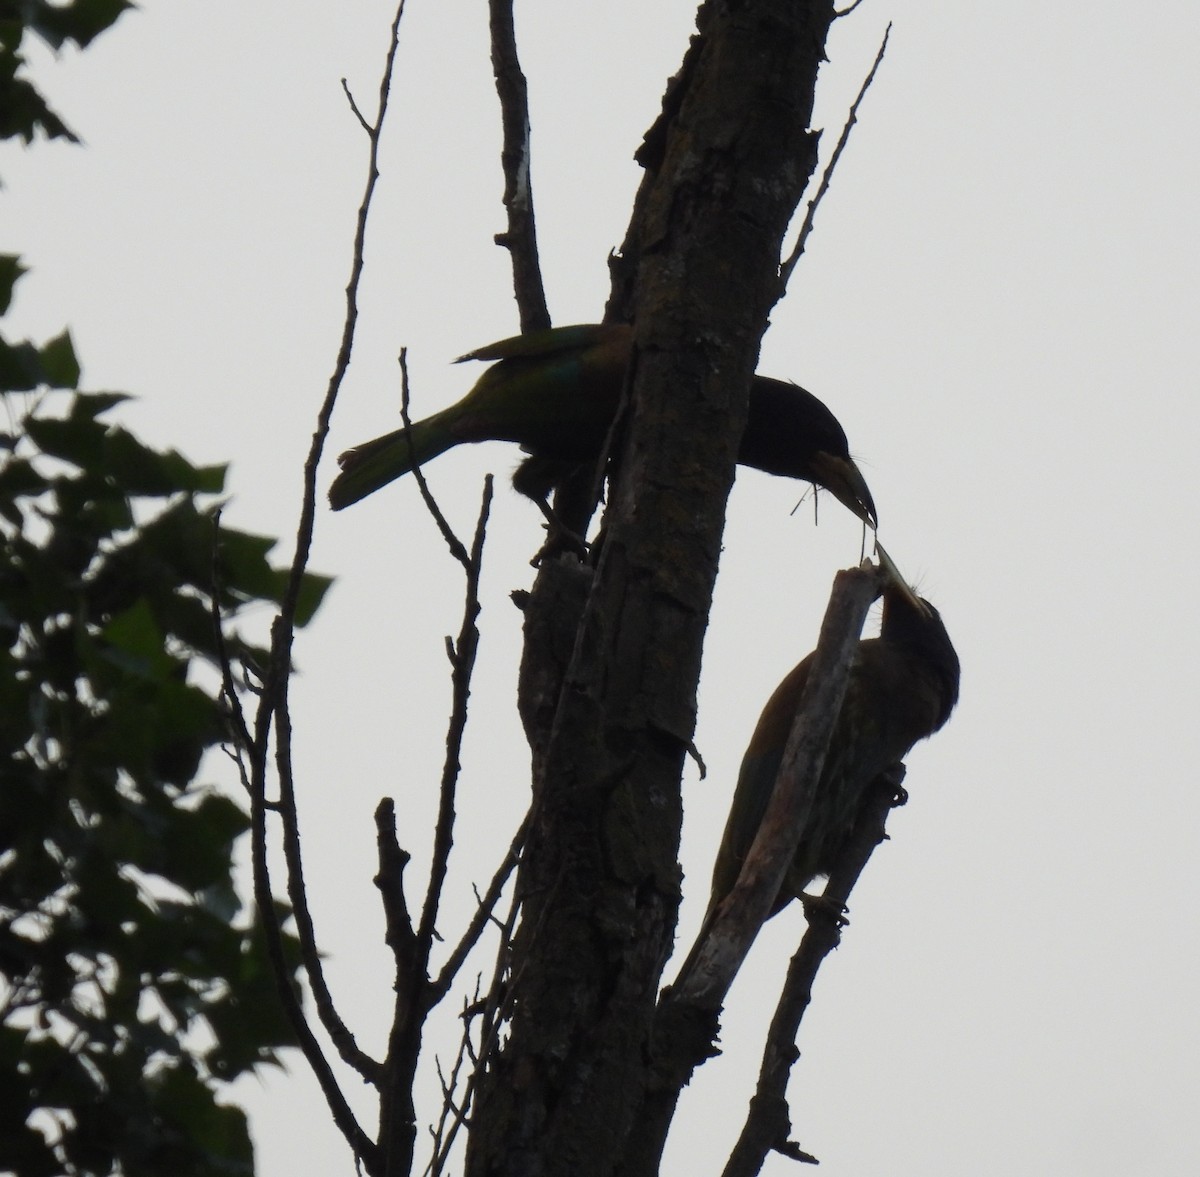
(726, 165)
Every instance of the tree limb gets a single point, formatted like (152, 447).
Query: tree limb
(520, 239)
(273, 702)
(414, 993)
(767, 1126)
(785, 270)
(483, 913)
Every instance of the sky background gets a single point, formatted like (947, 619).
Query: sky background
(1000, 303)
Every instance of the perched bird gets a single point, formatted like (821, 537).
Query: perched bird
(902, 687)
(556, 392)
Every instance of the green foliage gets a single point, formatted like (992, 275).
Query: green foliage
(130, 986)
(23, 110)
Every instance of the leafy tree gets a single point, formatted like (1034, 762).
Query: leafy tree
(131, 986)
(23, 110)
(132, 990)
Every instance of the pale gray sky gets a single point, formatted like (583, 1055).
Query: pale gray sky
(1000, 303)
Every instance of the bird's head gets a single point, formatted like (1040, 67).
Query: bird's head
(789, 432)
(911, 621)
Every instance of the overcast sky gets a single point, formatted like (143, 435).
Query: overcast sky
(1000, 303)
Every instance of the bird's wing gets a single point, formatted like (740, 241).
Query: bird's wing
(549, 341)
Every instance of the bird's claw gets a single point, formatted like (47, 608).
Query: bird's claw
(559, 538)
(823, 907)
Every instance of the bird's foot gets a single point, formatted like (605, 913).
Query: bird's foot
(822, 907)
(559, 538)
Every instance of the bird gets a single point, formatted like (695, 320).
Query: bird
(902, 687)
(556, 393)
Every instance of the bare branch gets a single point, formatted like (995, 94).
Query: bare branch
(283, 632)
(451, 1113)
(414, 994)
(520, 239)
(340, 1110)
(457, 550)
(498, 997)
(785, 270)
(337, 1029)
(483, 913)
(273, 702)
(464, 664)
(767, 1126)
(233, 699)
(398, 934)
(358, 114)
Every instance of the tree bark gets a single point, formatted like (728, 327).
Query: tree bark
(727, 165)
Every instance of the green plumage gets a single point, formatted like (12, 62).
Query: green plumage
(555, 393)
(902, 687)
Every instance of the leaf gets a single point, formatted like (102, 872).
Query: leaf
(200, 842)
(23, 111)
(245, 571)
(189, 1106)
(10, 272)
(90, 405)
(313, 588)
(18, 480)
(20, 365)
(243, 564)
(136, 643)
(141, 470)
(80, 21)
(60, 368)
(76, 440)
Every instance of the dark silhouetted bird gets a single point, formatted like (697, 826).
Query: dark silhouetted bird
(556, 392)
(901, 689)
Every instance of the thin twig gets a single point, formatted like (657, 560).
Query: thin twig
(449, 1112)
(358, 114)
(283, 632)
(233, 699)
(483, 913)
(273, 703)
(457, 550)
(254, 781)
(339, 1033)
(235, 713)
(785, 270)
(489, 1033)
(464, 663)
(264, 899)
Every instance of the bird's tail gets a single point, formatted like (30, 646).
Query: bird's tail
(367, 467)
(693, 956)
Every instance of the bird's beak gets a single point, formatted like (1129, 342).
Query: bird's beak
(843, 479)
(893, 574)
